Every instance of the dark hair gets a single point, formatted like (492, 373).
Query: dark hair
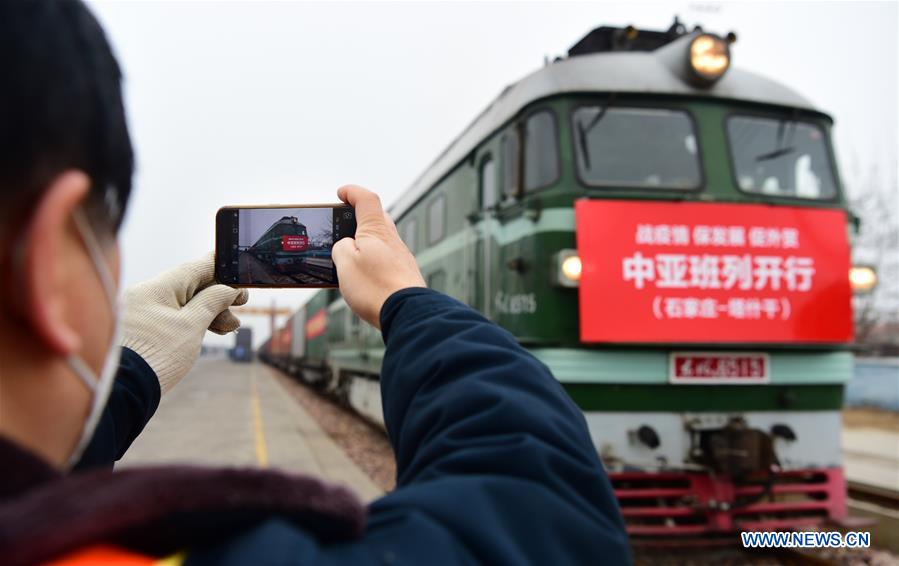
(60, 108)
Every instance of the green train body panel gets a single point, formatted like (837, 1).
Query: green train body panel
(318, 346)
(350, 342)
(618, 398)
(650, 366)
(499, 261)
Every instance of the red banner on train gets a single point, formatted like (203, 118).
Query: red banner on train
(293, 243)
(316, 325)
(702, 272)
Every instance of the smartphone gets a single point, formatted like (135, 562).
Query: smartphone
(280, 245)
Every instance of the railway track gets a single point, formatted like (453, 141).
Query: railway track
(316, 271)
(314, 274)
(307, 279)
(881, 507)
(886, 498)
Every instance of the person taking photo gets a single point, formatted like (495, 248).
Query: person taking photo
(494, 461)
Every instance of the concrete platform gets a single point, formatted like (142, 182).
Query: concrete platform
(871, 456)
(229, 414)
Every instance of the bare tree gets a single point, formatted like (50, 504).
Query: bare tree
(877, 245)
(324, 237)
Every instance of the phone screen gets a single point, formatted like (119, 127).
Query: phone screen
(280, 246)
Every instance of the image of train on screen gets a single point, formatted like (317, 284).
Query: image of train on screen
(670, 236)
(283, 245)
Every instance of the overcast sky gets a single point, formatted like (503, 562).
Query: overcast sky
(269, 102)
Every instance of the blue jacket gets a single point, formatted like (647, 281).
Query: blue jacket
(494, 461)
(133, 400)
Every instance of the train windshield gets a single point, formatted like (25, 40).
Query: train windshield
(636, 147)
(780, 157)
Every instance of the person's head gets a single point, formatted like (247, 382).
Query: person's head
(65, 169)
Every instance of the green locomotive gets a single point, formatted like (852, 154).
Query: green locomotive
(283, 245)
(669, 235)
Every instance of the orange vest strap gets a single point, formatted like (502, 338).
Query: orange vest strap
(105, 555)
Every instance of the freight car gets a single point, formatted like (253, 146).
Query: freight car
(283, 245)
(669, 235)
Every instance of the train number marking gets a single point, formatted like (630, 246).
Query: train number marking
(522, 303)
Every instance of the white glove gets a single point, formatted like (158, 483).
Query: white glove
(165, 318)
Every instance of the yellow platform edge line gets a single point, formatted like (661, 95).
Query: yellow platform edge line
(258, 432)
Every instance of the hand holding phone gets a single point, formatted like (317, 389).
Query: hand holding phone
(280, 245)
(375, 263)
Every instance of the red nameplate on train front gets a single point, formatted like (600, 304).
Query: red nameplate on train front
(294, 243)
(701, 272)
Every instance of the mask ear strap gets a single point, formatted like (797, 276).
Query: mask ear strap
(94, 249)
(82, 371)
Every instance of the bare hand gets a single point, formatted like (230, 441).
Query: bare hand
(376, 263)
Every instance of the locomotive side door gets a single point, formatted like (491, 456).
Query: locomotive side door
(482, 269)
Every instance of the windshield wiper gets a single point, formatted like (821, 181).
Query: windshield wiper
(781, 148)
(582, 132)
(775, 154)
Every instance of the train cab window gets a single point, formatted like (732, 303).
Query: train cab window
(409, 234)
(511, 149)
(489, 188)
(780, 157)
(636, 147)
(541, 151)
(436, 220)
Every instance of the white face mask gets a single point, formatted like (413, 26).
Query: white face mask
(100, 388)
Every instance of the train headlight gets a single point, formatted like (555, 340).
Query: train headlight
(709, 57)
(568, 268)
(862, 278)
